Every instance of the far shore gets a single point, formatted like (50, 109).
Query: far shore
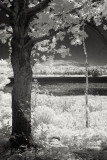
(57, 75)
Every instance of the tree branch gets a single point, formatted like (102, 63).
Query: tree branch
(53, 33)
(5, 8)
(38, 8)
(49, 36)
(36, 40)
(39, 39)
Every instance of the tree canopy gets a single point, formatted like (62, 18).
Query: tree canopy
(50, 20)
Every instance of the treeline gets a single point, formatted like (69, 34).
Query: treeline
(5, 68)
(92, 71)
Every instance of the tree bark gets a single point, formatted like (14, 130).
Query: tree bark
(20, 60)
(21, 102)
(21, 95)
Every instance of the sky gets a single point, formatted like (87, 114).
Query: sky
(97, 51)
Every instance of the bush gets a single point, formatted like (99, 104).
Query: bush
(96, 73)
(89, 72)
(3, 81)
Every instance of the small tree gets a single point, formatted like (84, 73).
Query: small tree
(96, 72)
(87, 83)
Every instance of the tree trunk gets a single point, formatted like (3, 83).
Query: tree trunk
(20, 60)
(86, 88)
(21, 95)
(86, 95)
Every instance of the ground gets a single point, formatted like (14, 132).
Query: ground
(59, 127)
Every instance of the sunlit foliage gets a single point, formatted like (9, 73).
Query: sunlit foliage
(56, 20)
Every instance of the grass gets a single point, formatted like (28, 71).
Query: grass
(63, 117)
(74, 106)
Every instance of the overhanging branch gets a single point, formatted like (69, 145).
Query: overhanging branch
(33, 41)
(38, 8)
(32, 11)
(5, 8)
(53, 33)
(36, 40)
(49, 36)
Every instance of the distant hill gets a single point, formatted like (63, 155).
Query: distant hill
(65, 67)
(64, 63)
(57, 67)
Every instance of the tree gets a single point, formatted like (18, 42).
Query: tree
(37, 25)
(96, 72)
(87, 81)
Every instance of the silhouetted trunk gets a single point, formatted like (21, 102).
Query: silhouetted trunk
(20, 59)
(21, 94)
(86, 95)
(86, 88)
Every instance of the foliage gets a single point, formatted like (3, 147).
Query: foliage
(3, 81)
(57, 20)
(4, 73)
(54, 67)
(5, 110)
(5, 67)
(96, 73)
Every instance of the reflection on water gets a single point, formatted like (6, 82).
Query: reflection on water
(67, 88)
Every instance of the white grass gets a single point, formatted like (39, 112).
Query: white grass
(63, 117)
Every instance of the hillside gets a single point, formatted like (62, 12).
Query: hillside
(54, 67)
(58, 67)
(65, 67)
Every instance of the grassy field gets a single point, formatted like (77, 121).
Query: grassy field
(58, 125)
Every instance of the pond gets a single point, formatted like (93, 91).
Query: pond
(67, 85)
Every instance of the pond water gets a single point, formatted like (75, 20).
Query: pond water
(67, 85)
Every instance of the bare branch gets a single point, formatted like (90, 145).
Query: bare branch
(5, 8)
(38, 8)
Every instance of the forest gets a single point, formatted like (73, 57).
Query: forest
(44, 126)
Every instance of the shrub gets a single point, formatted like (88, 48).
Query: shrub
(3, 81)
(5, 68)
(89, 72)
(96, 73)
(43, 114)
